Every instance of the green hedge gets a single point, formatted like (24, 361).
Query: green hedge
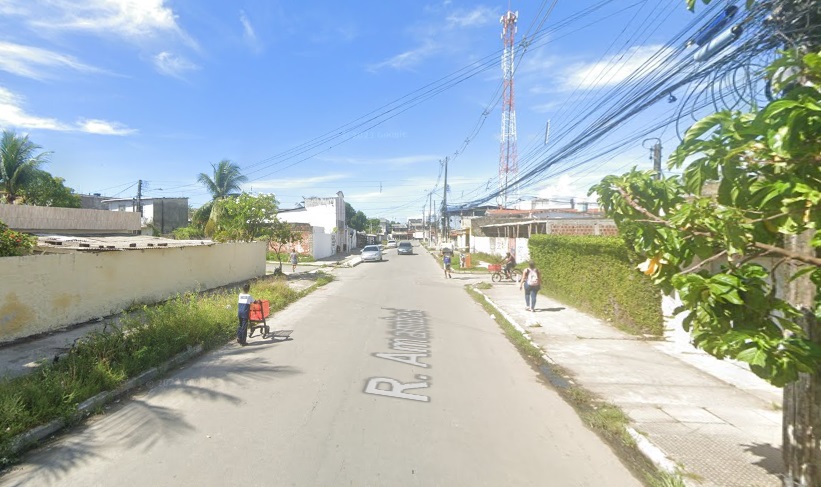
(598, 275)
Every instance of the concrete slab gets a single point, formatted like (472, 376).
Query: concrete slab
(716, 420)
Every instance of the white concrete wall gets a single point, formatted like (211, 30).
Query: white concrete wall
(323, 243)
(500, 246)
(46, 219)
(41, 293)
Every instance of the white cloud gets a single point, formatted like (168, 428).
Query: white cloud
(441, 35)
(365, 197)
(132, 19)
(612, 70)
(408, 59)
(173, 65)
(12, 114)
(472, 18)
(295, 183)
(102, 127)
(388, 161)
(36, 63)
(248, 32)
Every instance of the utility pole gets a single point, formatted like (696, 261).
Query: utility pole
(430, 218)
(433, 219)
(655, 155)
(802, 398)
(445, 226)
(139, 197)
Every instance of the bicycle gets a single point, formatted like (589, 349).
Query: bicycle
(498, 274)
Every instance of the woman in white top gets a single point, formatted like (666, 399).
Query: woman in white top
(532, 282)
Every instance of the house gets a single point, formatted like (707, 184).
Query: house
(94, 201)
(163, 214)
(326, 216)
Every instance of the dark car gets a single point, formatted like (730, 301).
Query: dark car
(404, 248)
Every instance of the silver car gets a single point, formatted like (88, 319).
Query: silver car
(405, 248)
(371, 253)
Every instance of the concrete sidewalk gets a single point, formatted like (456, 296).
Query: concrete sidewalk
(719, 424)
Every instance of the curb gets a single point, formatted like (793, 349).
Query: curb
(23, 441)
(650, 451)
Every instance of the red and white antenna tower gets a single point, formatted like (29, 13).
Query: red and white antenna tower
(508, 156)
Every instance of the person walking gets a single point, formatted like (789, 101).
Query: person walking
(446, 262)
(243, 311)
(294, 259)
(532, 282)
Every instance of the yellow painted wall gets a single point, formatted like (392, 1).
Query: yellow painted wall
(41, 293)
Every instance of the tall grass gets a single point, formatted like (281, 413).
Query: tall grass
(147, 337)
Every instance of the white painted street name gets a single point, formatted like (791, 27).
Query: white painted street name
(409, 345)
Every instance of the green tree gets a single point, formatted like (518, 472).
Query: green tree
(245, 217)
(723, 235)
(373, 225)
(226, 180)
(350, 212)
(359, 221)
(282, 237)
(19, 164)
(47, 190)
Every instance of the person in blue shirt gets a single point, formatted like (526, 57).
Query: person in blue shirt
(243, 311)
(446, 261)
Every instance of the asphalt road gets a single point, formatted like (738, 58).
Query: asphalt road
(343, 403)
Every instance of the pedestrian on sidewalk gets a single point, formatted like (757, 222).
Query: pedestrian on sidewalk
(446, 261)
(243, 311)
(532, 282)
(462, 261)
(294, 259)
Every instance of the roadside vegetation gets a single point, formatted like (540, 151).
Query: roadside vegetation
(605, 419)
(598, 275)
(15, 243)
(146, 337)
(285, 257)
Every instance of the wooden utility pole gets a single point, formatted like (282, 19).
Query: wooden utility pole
(801, 443)
(445, 224)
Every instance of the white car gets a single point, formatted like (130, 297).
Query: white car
(371, 253)
(391, 244)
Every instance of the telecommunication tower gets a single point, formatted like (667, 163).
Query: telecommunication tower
(508, 156)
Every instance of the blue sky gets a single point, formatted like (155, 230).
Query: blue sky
(121, 90)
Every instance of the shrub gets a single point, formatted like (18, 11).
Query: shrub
(15, 243)
(598, 275)
(146, 337)
(191, 232)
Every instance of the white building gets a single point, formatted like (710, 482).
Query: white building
(329, 215)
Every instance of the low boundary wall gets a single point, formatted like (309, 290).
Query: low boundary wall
(43, 293)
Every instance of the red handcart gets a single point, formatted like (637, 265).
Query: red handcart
(256, 321)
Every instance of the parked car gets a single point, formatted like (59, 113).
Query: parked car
(371, 253)
(391, 244)
(405, 248)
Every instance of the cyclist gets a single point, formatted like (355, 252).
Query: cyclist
(509, 262)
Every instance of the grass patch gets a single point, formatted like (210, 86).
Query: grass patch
(146, 337)
(606, 419)
(286, 258)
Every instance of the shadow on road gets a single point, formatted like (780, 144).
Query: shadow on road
(140, 423)
(771, 458)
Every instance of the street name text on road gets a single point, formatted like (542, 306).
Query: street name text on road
(408, 346)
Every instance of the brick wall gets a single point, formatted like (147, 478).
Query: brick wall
(304, 246)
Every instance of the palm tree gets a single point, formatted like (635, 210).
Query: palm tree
(226, 181)
(19, 165)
